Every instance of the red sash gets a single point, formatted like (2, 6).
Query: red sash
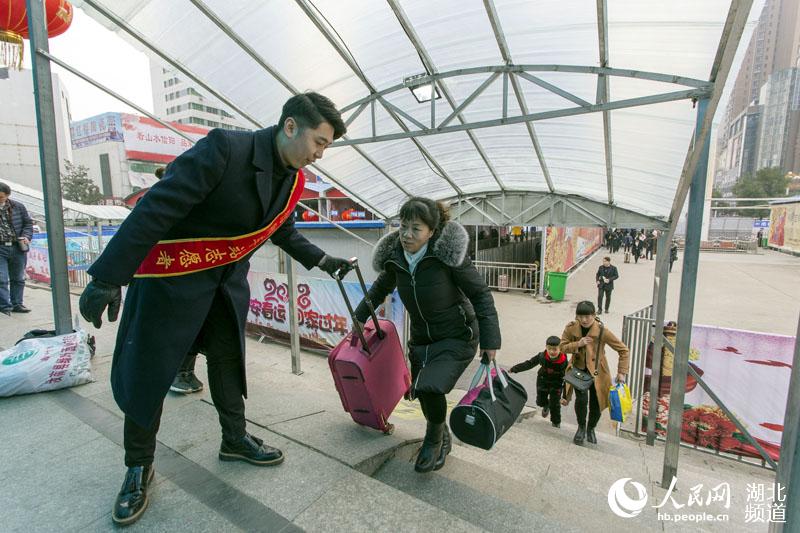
(186, 256)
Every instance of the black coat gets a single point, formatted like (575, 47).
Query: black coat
(20, 220)
(219, 188)
(449, 306)
(551, 373)
(610, 272)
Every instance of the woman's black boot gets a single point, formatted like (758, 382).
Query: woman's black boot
(431, 446)
(447, 445)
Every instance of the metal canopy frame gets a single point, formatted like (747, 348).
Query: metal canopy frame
(526, 207)
(539, 209)
(141, 39)
(505, 52)
(696, 90)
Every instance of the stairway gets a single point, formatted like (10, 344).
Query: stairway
(536, 479)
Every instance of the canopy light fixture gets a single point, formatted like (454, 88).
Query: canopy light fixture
(422, 87)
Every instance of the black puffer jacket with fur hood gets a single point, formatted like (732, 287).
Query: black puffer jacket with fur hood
(449, 305)
(445, 297)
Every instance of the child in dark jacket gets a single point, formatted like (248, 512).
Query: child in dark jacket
(550, 381)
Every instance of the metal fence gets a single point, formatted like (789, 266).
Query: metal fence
(509, 276)
(523, 252)
(749, 246)
(637, 332)
(78, 262)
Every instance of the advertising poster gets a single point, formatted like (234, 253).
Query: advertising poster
(566, 247)
(323, 318)
(784, 229)
(749, 372)
(95, 130)
(147, 140)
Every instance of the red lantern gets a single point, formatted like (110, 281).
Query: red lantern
(14, 26)
(308, 216)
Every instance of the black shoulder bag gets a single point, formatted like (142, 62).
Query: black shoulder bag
(581, 379)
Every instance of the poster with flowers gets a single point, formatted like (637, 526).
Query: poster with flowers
(749, 372)
(566, 247)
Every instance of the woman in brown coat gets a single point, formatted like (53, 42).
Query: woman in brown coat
(582, 338)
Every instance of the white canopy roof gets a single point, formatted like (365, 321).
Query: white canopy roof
(544, 57)
(73, 211)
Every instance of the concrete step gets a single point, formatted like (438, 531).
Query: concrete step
(496, 501)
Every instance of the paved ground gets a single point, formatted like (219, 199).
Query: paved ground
(62, 460)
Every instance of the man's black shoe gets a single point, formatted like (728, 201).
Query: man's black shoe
(132, 498)
(186, 383)
(251, 450)
(6, 311)
(590, 436)
(20, 309)
(545, 412)
(580, 435)
(556, 425)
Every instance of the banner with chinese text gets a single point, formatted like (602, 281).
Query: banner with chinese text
(323, 318)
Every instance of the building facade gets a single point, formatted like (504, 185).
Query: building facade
(179, 101)
(19, 138)
(773, 47)
(778, 136)
(122, 150)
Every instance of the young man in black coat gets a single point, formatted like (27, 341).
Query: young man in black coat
(605, 277)
(184, 254)
(550, 380)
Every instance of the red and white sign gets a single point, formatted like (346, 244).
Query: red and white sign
(147, 140)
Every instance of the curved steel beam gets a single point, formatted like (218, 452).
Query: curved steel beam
(690, 94)
(430, 67)
(516, 69)
(541, 208)
(505, 52)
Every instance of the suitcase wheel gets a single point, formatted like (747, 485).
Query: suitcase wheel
(389, 429)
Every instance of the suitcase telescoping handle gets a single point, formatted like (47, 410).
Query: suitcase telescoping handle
(356, 324)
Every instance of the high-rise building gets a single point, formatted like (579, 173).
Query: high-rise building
(19, 140)
(773, 47)
(177, 99)
(780, 121)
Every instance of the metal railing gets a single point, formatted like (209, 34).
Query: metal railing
(749, 246)
(509, 276)
(637, 333)
(78, 262)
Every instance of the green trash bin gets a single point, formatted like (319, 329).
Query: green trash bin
(764, 242)
(555, 283)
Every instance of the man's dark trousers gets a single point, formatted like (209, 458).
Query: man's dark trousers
(219, 341)
(603, 290)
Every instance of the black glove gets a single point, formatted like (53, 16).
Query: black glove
(332, 264)
(514, 369)
(94, 299)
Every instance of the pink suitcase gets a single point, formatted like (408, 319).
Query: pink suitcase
(372, 380)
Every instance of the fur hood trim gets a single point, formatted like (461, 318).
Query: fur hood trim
(450, 247)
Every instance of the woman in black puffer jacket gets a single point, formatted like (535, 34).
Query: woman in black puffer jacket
(450, 307)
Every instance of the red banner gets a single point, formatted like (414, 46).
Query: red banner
(186, 256)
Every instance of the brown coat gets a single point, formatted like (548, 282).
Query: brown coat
(586, 356)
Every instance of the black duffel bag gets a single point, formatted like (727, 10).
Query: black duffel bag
(488, 411)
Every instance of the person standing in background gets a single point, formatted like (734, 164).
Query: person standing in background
(16, 232)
